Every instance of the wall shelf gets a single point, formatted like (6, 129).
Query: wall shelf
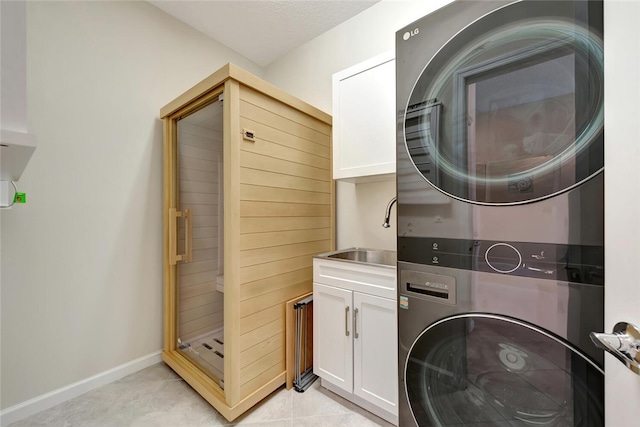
(16, 149)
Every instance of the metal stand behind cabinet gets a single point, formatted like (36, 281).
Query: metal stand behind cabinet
(268, 208)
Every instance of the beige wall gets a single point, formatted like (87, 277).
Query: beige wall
(306, 72)
(82, 260)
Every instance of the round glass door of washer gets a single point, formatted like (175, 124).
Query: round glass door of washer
(485, 370)
(512, 113)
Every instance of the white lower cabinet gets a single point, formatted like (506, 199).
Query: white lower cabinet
(375, 351)
(332, 335)
(355, 347)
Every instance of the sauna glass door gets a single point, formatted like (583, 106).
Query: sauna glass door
(199, 232)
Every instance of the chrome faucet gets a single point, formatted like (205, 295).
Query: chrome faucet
(387, 215)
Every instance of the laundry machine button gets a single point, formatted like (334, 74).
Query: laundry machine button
(503, 258)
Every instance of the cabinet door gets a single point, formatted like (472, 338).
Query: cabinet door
(332, 335)
(364, 132)
(375, 362)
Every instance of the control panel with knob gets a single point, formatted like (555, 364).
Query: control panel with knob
(572, 263)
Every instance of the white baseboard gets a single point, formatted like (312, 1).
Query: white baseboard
(48, 400)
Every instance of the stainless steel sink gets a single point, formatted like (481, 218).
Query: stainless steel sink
(363, 256)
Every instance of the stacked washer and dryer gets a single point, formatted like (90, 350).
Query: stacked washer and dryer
(500, 215)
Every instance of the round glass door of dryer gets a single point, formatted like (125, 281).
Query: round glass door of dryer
(485, 370)
(512, 113)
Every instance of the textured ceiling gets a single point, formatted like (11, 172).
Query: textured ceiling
(263, 30)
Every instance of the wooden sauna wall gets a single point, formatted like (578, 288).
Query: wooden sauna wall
(285, 218)
(200, 305)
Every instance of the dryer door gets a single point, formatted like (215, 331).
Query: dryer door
(510, 110)
(486, 370)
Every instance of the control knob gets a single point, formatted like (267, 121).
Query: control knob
(503, 258)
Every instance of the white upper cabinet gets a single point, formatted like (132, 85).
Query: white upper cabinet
(364, 135)
(16, 145)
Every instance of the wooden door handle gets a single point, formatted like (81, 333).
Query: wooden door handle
(174, 257)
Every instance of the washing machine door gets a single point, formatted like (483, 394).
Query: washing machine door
(486, 370)
(510, 110)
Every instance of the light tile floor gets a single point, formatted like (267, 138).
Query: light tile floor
(156, 396)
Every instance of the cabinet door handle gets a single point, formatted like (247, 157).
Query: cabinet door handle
(174, 257)
(346, 321)
(355, 323)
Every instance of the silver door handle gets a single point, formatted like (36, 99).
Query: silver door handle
(346, 321)
(623, 344)
(355, 323)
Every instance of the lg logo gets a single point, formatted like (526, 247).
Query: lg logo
(409, 34)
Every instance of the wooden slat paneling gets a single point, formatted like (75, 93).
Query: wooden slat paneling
(199, 327)
(201, 254)
(286, 199)
(198, 153)
(282, 195)
(204, 210)
(199, 232)
(205, 221)
(197, 278)
(199, 165)
(252, 306)
(199, 300)
(268, 133)
(277, 371)
(270, 254)
(256, 368)
(266, 224)
(275, 150)
(258, 335)
(199, 312)
(271, 164)
(206, 329)
(278, 180)
(195, 290)
(260, 115)
(201, 136)
(275, 268)
(195, 267)
(270, 209)
(192, 319)
(199, 187)
(280, 238)
(276, 107)
(270, 284)
(254, 353)
(203, 199)
(259, 318)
